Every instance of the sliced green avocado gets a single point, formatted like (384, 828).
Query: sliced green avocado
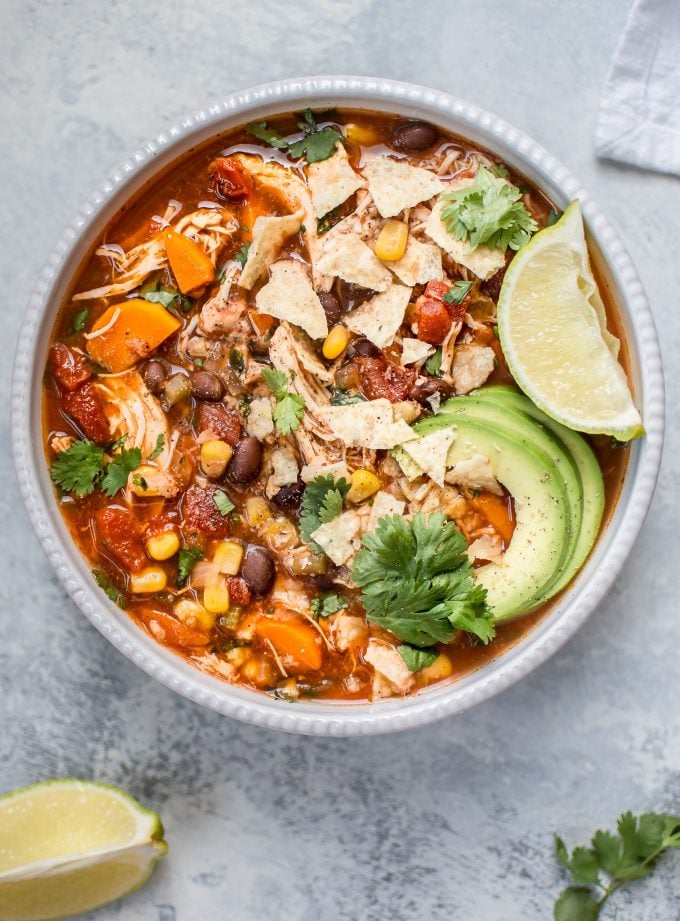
(582, 455)
(541, 540)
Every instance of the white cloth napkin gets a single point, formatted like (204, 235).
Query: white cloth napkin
(639, 119)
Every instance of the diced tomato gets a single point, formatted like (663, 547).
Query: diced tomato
(230, 181)
(167, 629)
(223, 421)
(70, 368)
(381, 378)
(201, 513)
(433, 320)
(239, 593)
(436, 290)
(84, 407)
(159, 524)
(118, 534)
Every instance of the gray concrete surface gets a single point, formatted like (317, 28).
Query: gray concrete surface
(449, 823)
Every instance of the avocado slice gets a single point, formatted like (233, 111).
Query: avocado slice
(541, 540)
(582, 455)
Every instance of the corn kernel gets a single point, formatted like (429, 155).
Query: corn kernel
(228, 556)
(194, 614)
(391, 242)
(162, 546)
(335, 342)
(364, 484)
(216, 597)
(440, 668)
(238, 656)
(151, 579)
(257, 511)
(215, 455)
(361, 134)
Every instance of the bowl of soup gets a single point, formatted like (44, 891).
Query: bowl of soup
(287, 414)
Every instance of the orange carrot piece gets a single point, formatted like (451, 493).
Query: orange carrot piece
(249, 214)
(138, 329)
(261, 322)
(290, 638)
(166, 629)
(191, 267)
(498, 512)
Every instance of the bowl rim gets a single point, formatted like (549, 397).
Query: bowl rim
(335, 718)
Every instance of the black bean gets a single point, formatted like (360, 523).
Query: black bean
(331, 306)
(414, 136)
(427, 387)
(351, 295)
(154, 373)
(258, 569)
(206, 386)
(325, 580)
(363, 347)
(246, 460)
(289, 496)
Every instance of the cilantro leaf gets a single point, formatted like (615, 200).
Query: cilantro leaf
(224, 504)
(242, 255)
(80, 468)
(79, 320)
(417, 581)
(110, 590)
(433, 365)
(289, 407)
(553, 217)
(457, 294)
(325, 605)
(321, 502)
(236, 361)
(270, 136)
(156, 293)
(340, 397)
(158, 450)
(488, 211)
(119, 469)
(316, 147)
(576, 904)
(186, 560)
(417, 658)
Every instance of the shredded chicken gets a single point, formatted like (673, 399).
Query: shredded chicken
(221, 313)
(132, 410)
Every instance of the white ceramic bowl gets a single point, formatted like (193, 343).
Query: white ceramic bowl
(314, 717)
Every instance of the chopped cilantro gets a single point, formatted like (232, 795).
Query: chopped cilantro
(244, 402)
(488, 211)
(236, 361)
(157, 451)
(139, 481)
(118, 470)
(416, 580)
(340, 397)
(433, 365)
(110, 590)
(186, 560)
(316, 145)
(156, 293)
(242, 255)
(321, 502)
(224, 504)
(80, 320)
(289, 407)
(325, 605)
(270, 136)
(80, 468)
(457, 294)
(417, 658)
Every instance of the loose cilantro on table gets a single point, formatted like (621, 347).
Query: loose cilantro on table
(186, 560)
(118, 470)
(157, 451)
(80, 468)
(416, 659)
(110, 590)
(340, 397)
(325, 605)
(289, 407)
(433, 365)
(457, 294)
(316, 145)
(488, 211)
(242, 255)
(224, 504)
(416, 580)
(612, 861)
(80, 320)
(321, 502)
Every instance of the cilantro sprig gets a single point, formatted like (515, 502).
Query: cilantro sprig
(325, 605)
(289, 407)
(612, 861)
(457, 292)
(186, 560)
(117, 471)
(84, 467)
(416, 580)
(322, 501)
(416, 659)
(488, 211)
(316, 144)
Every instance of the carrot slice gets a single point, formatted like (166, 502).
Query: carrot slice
(261, 322)
(290, 638)
(133, 329)
(498, 512)
(166, 629)
(191, 267)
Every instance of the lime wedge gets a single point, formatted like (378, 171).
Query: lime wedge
(552, 327)
(68, 846)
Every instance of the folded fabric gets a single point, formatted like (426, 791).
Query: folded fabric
(639, 118)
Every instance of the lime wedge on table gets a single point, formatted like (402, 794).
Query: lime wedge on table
(552, 326)
(67, 846)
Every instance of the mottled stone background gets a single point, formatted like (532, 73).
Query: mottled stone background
(449, 823)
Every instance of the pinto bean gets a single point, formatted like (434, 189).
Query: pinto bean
(414, 135)
(206, 386)
(246, 460)
(155, 373)
(258, 569)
